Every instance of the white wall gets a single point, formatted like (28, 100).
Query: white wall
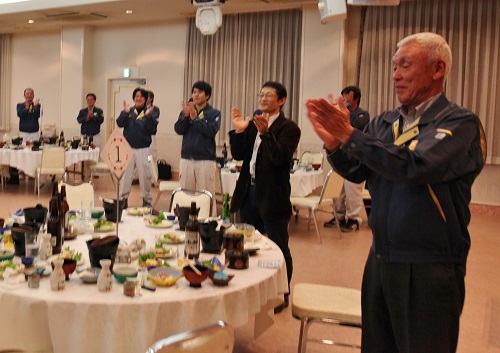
(159, 52)
(36, 64)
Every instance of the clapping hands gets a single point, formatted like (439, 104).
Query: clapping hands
(239, 122)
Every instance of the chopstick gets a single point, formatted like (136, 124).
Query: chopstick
(193, 267)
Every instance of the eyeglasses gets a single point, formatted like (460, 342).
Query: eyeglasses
(267, 95)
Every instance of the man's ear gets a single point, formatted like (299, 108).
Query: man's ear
(439, 69)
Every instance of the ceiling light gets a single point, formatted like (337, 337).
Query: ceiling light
(31, 21)
(128, 12)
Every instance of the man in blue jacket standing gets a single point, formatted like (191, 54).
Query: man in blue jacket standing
(198, 123)
(138, 125)
(419, 162)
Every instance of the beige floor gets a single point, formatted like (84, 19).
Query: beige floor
(340, 262)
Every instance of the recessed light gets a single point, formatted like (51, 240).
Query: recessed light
(31, 21)
(128, 12)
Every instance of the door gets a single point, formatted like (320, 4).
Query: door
(120, 90)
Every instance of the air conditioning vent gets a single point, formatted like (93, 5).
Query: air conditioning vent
(75, 16)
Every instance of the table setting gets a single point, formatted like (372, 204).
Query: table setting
(147, 278)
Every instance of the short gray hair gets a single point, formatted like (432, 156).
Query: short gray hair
(434, 46)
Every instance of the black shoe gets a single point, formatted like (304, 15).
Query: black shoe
(13, 180)
(285, 304)
(135, 182)
(96, 176)
(330, 224)
(349, 226)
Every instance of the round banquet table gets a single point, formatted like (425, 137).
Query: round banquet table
(28, 161)
(302, 183)
(81, 319)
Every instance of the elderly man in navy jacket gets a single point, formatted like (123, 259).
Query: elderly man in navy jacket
(419, 162)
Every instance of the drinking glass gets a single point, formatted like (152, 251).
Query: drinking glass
(249, 232)
(86, 210)
(31, 243)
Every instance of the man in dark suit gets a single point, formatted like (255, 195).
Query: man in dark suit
(91, 119)
(266, 144)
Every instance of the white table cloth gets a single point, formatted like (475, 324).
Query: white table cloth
(28, 161)
(302, 183)
(81, 319)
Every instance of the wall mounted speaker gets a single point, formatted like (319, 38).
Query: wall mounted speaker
(331, 10)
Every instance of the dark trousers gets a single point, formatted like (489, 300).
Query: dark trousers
(411, 308)
(276, 229)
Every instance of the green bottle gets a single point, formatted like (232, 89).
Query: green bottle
(226, 215)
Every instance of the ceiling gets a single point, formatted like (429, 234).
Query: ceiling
(50, 15)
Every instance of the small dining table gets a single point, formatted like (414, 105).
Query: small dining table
(81, 319)
(28, 161)
(302, 182)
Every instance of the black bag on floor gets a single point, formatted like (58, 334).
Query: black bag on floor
(164, 170)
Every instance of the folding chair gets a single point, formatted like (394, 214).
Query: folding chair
(332, 187)
(53, 163)
(217, 338)
(184, 197)
(76, 194)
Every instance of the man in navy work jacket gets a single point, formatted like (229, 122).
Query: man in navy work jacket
(419, 162)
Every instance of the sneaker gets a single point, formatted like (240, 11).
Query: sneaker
(349, 226)
(330, 224)
(282, 306)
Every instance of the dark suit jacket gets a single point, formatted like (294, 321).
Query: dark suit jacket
(272, 169)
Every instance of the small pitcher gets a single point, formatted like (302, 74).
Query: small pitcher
(58, 278)
(105, 280)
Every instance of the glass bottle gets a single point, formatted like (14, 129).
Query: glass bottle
(224, 154)
(55, 225)
(64, 211)
(226, 215)
(61, 139)
(192, 240)
(41, 138)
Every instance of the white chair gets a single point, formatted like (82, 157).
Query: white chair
(101, 169)
(219, 191)
(316, 303)
(217, 338)
(76, 195)
(332, 187)
(164, 185)
(309, 157)
(184, 197)
(53, 163)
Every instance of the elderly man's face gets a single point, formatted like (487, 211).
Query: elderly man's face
(412, 75)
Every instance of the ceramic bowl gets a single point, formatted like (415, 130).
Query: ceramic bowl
(97, 212)
(69, 267)
(90, 275)
(221, 282)
(6, 254)
(122, 272)
(194, 279)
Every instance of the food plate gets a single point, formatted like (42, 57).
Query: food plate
(104, 228)
(163, 224)
(138, 211)
(164, 276)
(169, 252)
(251, 249)
(171, 238)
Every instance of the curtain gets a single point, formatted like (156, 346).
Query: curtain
(5, 69)
(471, 28)
(248, 50)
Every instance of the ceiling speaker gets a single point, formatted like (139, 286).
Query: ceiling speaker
(331, 10)
(373, 2)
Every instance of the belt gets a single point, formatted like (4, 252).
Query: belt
(252, 181)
